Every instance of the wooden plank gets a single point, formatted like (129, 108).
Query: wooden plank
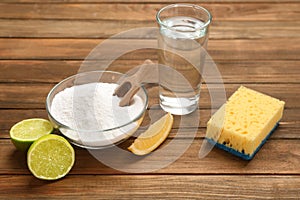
(254, 29)
(275, 169)
(13, 116)
(149, 1)
(38, 71)
(23, 96)
(149, 186)
(142, 12)
(289, 125)
(45, 48)
(261, 71)
(258, 49)
(68, 29)
(53, 71)
(106, 28)
(276, 157)
(34, 95)
(286, 130)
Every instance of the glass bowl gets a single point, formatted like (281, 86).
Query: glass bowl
(84, 127)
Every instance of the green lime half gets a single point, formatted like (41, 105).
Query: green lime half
(25, 132)
(51, 157)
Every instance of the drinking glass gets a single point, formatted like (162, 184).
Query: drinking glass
(182, 42)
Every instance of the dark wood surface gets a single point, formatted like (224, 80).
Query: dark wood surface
(255, 43)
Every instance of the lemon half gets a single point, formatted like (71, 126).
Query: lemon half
(155, 135)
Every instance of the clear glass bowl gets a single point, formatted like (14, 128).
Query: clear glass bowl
(96, 139)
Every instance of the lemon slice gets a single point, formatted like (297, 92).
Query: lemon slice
(25, 132)
(153, 136)
(51, 157)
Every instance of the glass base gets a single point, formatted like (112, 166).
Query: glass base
(179, 106)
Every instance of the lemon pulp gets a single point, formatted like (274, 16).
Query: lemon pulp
(153, 136)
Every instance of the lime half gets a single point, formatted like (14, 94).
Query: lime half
(25, 132)
(51, 157)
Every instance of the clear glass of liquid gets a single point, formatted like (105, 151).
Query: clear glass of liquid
(182, 42)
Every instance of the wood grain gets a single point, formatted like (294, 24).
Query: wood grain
(107, 28)
(239, 49)
(165, 187)
(276, 157)
(255, 43)
(34, 95)
(53, 71)
(241, 11)
(24, 95)
(150, 1)
(289, 124)
(286, 130)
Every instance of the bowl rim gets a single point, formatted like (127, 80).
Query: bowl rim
(61, 125)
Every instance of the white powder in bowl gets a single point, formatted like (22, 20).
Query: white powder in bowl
(92, 107)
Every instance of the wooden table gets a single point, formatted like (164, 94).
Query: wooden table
(255, 43)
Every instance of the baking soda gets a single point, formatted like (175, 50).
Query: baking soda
(92, 107)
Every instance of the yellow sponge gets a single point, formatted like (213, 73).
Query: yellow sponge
(242, 125)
